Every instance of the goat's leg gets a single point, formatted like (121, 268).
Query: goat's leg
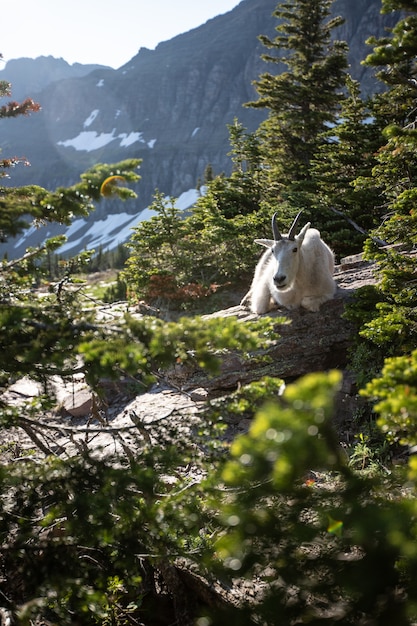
(246, 299)
(260, 298)
(313, 302)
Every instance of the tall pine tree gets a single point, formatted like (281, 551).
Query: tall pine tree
(394, 56)
(396, 168)
(349, 152)
(303, 100)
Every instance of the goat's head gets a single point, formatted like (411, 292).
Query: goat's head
(286, 251)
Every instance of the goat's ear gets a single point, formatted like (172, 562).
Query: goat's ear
(303, 231)
(268, 243)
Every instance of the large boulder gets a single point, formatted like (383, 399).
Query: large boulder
(306, 341)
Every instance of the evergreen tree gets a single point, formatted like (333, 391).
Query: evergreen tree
(391, 326)
(241, 192)
(394, 56)
(93, 538)
(208, 174)
(303, 100)
(396, 167)
(177, 258)
(348, 152)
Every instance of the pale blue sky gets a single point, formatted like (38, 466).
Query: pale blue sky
(98, 31)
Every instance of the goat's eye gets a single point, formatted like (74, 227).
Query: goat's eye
(295, 249)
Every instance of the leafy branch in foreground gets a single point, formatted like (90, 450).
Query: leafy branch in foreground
(89, 537)
(96, 517)
(17, 204)
(325, 543)
(395, 393)
(50, 337)
(144, 346)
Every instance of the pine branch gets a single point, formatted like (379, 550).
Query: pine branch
(356, 226)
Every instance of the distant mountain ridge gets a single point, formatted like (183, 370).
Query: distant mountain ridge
(169, 106)
(29, 76)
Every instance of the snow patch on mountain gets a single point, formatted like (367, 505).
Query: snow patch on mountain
(108, 233)
(128, 139)
(90, 140)
(21, 240)
(90, 119)
(115, 228)
(76, 225)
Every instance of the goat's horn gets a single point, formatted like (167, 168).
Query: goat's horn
(291, 233)
(275, 231)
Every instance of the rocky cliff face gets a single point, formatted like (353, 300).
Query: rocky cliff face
(169, 106)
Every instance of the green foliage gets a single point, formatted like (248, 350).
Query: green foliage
(329, 538)
(142, 346)
(302, 100)
(386, 313)
(396, 394)
(63, 204)
(322, 553)
(228, 243)
(81, 534)
(45, 337)
(394, 328)
(363, 455)
(243, 190)
(177, 261)
(273, 445)
(390, 324)
(393, 325)
(394, 56)
(347, 154)
(158, 247)
(82, 537)
(245, 401)
(86, 536)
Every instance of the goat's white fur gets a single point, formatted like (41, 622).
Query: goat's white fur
(292, 272)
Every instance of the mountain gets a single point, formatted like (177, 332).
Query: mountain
(169, 106)
(30, 76)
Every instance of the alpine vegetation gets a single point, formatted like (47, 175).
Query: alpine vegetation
(294, 271)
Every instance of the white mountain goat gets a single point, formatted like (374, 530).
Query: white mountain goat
(294, 271)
